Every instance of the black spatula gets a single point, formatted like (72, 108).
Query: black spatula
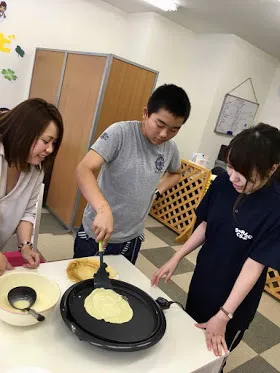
(101, 278)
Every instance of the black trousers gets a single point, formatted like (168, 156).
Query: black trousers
(86, 246)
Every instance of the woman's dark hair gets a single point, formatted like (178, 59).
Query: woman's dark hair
(22, 126)
(255, 149)
(218, 171)
(171, 98)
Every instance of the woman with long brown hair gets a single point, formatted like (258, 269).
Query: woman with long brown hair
(240, 234)
(30, 137)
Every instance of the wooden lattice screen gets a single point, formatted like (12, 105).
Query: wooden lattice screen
(176, 208)
(272, 284)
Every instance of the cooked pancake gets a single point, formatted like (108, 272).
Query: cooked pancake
(85, 268)
(107, 305)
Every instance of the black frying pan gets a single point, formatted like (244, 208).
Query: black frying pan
(145, 329)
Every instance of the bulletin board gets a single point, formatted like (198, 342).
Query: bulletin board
(236, 115)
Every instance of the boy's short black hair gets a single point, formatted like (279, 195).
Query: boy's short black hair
(171, 98)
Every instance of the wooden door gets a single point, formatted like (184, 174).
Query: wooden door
(78, 100)
(127, 93)
(46, 75)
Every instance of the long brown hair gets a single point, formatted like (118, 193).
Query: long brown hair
(21, 127)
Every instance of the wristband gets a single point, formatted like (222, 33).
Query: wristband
(25, 243)
(229, 314)
(158, 194)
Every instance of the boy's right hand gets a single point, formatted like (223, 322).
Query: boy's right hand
(103, 224)
(166, 270)
(4, 264)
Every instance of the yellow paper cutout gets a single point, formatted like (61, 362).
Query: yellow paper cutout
(12, 36)
(4, 41)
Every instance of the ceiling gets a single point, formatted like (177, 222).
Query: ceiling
(257, 21)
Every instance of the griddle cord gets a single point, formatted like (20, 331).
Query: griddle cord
(165, 304)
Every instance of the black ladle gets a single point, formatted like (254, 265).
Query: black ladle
(26, 294)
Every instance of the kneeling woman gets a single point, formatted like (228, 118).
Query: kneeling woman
(240, 234)
(30, 136)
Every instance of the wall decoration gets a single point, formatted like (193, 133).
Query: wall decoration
(9, 74)
(7, 46)
(4, 41)
(20, 51)
(13, 60)
(3, 9)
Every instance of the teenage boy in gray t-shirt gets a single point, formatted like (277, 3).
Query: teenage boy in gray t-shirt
(138, 162)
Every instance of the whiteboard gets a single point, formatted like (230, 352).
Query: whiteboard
(236, 115)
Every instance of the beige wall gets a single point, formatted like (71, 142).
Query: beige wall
(206, 66)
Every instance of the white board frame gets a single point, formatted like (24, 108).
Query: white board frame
(230, 132)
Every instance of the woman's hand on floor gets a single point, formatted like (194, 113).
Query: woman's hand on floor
(31, 256)
(215, 330)
(4, 264)
(166, 271)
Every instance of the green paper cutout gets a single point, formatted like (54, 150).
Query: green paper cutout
(9, 74)
(20, 51)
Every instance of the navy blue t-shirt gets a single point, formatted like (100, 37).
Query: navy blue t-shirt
(251, 231)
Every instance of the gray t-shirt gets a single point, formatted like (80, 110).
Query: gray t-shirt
(129, 177)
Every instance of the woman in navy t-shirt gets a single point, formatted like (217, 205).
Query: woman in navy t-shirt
(240, 234)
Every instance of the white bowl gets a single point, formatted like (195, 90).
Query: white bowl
(48, 294)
